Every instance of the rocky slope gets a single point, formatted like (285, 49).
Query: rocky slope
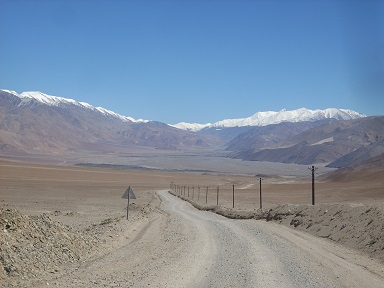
(33, 245)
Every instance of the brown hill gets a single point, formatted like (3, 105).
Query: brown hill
(371, 170)
(270, 136)
(325, 143)
(359, 155)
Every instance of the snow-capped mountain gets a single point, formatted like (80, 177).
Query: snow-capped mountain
(33, 122)
(191, 126)
(272, 117)
(258, 119)
(37, 123)
(27, 97)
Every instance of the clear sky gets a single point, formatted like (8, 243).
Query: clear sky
(194, 60)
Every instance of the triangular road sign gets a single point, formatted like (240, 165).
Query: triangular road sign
(129, 192)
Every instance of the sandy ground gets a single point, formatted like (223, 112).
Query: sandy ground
(166, 242)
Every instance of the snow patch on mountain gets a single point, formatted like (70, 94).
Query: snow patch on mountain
(191, 126)
(27, 97)
(46, 99)
(272, 117)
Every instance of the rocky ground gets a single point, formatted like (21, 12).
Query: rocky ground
(35, 247)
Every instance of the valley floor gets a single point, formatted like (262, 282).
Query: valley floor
(67, 227)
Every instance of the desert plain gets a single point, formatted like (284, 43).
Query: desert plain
(65, 225)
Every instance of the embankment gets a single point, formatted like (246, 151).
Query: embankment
(358, 226)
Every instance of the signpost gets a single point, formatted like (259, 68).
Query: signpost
(128, 194)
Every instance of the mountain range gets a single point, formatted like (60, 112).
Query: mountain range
(272, 117)
(33, 122)
(339, 143)
(37, 123)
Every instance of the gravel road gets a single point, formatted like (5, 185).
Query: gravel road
(185, 247)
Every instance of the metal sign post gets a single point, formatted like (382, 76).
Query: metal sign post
(128, 194)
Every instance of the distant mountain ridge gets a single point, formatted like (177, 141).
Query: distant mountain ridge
(258, 119)
(33, 122)
(272, 117)
(36, 123)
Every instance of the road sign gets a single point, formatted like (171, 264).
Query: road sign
(129, 192)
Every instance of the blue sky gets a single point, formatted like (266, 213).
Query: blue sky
(197, 61)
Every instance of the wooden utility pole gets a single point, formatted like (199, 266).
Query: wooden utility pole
(261, 202)
(233, 196)
(313, 169)
(217, 196)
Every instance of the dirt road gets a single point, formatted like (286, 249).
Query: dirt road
(184, 247)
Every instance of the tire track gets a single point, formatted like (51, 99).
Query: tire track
(185, 247)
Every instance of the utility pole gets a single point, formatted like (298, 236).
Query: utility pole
(261, 202)
(233, 196)
(313, 169)
(217, 196)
